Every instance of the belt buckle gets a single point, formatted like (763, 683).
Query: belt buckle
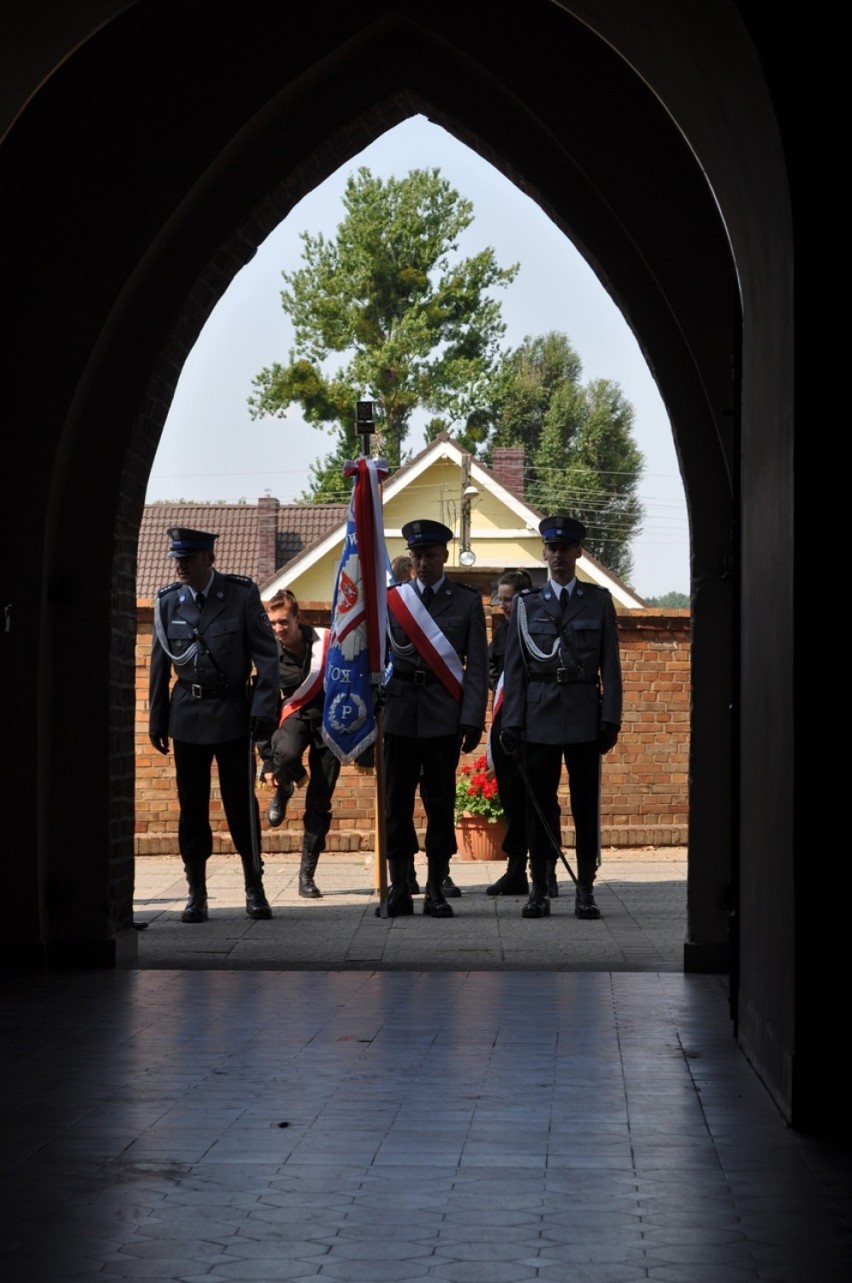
(196, 691)
(419, 677)
(562, 676)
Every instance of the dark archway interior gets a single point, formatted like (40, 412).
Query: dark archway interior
(149, 150)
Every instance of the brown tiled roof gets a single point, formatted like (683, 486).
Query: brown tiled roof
(300, 525)
(239, 546)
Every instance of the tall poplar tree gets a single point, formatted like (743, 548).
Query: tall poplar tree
(416, 324)
(579, 451)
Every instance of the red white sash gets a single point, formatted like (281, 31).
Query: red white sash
(423, 632)
(312, 685)
(498, 697)
(495, 709)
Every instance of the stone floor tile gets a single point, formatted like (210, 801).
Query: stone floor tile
(548, 1122)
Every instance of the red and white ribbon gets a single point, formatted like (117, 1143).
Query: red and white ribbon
(312, 685)
(495, 709)
(425, 635)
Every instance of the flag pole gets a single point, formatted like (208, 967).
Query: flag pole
(380, 863)
(364, 425)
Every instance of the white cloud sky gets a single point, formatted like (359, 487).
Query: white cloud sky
(211, 449)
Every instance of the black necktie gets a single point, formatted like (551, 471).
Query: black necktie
(200, 600)
(564, 598)
(427, 596)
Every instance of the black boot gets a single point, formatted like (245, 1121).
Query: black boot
(584, 904)
(257, 905)
(434, 903)
(196, 905)
(538, 905)
(399, 903)
(308, 889)
(413, 884)
(514, 880)
(435, 897)
(552, 884)
(277, 808)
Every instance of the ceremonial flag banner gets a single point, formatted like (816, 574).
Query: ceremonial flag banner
(355, 663)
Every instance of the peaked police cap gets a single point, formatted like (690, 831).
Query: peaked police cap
(185, 541)
(419, 533)
(560, 528)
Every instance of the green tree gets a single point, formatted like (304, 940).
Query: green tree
(416, 322)
(671, 600)
(579, 452)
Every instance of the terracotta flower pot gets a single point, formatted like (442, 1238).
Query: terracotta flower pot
(480, 839)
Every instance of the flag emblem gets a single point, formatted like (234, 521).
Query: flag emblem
(355, 663)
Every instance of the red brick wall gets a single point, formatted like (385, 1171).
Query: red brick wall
(644, 789)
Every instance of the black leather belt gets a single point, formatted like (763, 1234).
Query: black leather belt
(563, 677)
(203, 692)
(420, 677)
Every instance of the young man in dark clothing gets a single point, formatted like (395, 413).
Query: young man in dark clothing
(301, 664)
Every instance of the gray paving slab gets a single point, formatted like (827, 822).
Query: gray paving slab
(641, 893)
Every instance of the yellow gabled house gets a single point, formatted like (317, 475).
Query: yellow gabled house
(494, 528)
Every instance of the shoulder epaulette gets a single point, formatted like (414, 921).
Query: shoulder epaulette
(239, 579)
(169, 588)
(525, 592)
(462, 584)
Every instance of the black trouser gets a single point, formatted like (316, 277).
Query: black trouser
(543, 765)
(515, 800)
(293, 737)
(235, 763)
(405, 757)
(513, 795)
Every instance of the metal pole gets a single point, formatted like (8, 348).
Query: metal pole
(464, 524)
(380, 867)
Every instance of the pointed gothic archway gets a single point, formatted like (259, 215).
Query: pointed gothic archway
(147, 164)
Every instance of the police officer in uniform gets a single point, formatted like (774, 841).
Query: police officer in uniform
(562, 701)
(435, 700)
(513, 795)
(211, 629)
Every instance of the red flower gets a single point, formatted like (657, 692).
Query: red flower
(477, 793)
